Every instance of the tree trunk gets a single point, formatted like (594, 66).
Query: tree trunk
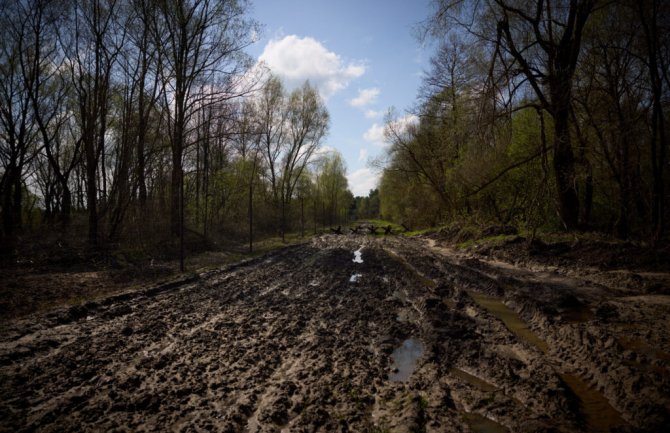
(564, 163)
(251, 216)
(7, 203)
(66, 205)
(283, 221)
(18, 202)
(176, 180)
(91, 192)
(302, 217)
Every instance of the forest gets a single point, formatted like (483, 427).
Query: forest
(134, 122)
(115, 113)
(546, 114)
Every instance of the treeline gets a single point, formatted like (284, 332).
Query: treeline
(137, 120)
(540, 114)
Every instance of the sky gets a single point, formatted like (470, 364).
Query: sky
(362, 57)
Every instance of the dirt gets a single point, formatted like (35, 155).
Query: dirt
(423, 339)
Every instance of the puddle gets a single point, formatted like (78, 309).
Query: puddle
(404, 359)
(472, 380)
(358, 255)
(355, 277)
(509, 317)
(481, 424)
(600, 417)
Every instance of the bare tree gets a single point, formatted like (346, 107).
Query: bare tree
(537, 44)
(18, 146)
(654, 16)
(201, 41)
(92, 45)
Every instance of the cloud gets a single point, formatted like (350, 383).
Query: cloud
(362, 181)
(401, 124)
(375, 134)
(296, 59)
(372, 114)
(363, 155)
(365, 97)
(321, 152)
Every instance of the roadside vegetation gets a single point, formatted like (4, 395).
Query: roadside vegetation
(543, 115)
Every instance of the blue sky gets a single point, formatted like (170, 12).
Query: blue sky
(362, 57)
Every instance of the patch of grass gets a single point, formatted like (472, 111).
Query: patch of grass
(425, 231)
(489, 240)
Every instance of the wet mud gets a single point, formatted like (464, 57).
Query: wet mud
(346, 333)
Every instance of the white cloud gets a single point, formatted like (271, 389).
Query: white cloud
(321, 152)
(362, 181)
(372, 114)
(401, 124)
(375, 134)
(363, 155)
(365, 97)
(296, 59)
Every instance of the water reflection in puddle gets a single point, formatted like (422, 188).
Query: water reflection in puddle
(404, 359)
(358, 255)
(355, 277)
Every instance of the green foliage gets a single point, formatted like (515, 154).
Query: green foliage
(366, 207)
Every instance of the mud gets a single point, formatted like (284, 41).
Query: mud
(288, 343)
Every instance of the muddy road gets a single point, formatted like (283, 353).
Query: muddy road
(349, 333)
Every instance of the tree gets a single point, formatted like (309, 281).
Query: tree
(334, 187)
(307, 124)
(20, 55)
(200, 41)
(93, 44)
(271, 119)
(537, 44)
(654, 16)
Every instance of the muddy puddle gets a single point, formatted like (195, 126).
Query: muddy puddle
(358, 256)
(599, 415)
(472, 380)
(481, 424)
(405, 358)
(511, 319)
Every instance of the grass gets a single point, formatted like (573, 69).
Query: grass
(489, 240)
(397, 228)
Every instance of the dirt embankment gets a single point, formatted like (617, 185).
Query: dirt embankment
(311, 339)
